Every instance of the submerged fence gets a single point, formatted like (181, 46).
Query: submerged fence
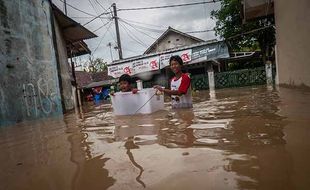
(238, 78)
(246, 77)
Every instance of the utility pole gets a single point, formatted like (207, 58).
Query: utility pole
(110, 44)
(65, 6)
(117, 32)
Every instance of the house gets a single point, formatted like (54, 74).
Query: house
(35, 46)
(88, 80)
(198, 56)
(292, 24)
(83, 78)
(171, 39)
(69, 37)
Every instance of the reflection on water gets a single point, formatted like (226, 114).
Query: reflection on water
(246, 138)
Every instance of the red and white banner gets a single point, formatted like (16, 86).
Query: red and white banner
(117, 70)
(135, 67)
(145, 65)
(186, 56)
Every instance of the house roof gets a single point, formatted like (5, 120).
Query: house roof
(169, 30)
(73, 33)
(83, 78)
(77, 48)
(101, 76)
(72, 30)
(88, 80)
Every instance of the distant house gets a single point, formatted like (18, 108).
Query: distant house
(198, 56)
(83, 78)
(69, 36)
(171, 39)
(86, 80)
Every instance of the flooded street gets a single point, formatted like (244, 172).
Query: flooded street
(244, 138)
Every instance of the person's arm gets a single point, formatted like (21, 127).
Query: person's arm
(185, 83)
(167, 91)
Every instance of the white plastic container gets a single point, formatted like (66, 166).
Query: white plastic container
(144, 101)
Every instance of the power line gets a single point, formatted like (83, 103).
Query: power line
(138, 30)
(168, 6)
(132, 36)
(111, 34)
(101, 6)
(249, 32)
(78, 9)
(144, 28)
(102, 38)
(161, 31)
(89, 17)
(102, 26)
(95, 16)
(200, 31)
(143, 23)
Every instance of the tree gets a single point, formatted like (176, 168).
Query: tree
(95, 64)
(258, 34)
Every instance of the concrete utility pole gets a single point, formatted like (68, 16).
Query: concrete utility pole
(110, 45)
(120, 53)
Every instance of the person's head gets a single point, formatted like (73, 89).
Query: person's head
(176, 63)
(125, 83)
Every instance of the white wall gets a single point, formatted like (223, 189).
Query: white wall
(170, 41)
(293, 41)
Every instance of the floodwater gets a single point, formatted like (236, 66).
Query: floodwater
(243, 138)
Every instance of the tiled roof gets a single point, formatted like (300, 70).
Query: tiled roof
(84, 78)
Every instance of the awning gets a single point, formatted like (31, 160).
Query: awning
(72, 30)
(77, 48)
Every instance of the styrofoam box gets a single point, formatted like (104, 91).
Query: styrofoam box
(144, 101)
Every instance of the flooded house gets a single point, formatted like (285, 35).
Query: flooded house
(198, 56)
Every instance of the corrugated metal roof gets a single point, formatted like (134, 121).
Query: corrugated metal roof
(72, 30)
(77, 48)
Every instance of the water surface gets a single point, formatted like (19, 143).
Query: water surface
(243, 138)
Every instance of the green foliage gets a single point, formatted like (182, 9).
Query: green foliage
(95, 64)
(229, 26)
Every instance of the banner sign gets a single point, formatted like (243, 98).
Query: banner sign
(134, 67)
(145, 65)
(186, 56)
(117, 70)
(189, 56)
(210, 51)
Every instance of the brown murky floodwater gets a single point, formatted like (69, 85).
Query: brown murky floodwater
(245, 138)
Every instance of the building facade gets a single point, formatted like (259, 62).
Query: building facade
(35, 81)
(292, 23)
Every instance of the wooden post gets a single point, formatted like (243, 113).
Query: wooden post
(80, 102)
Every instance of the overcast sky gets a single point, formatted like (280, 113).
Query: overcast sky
(185, 19)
